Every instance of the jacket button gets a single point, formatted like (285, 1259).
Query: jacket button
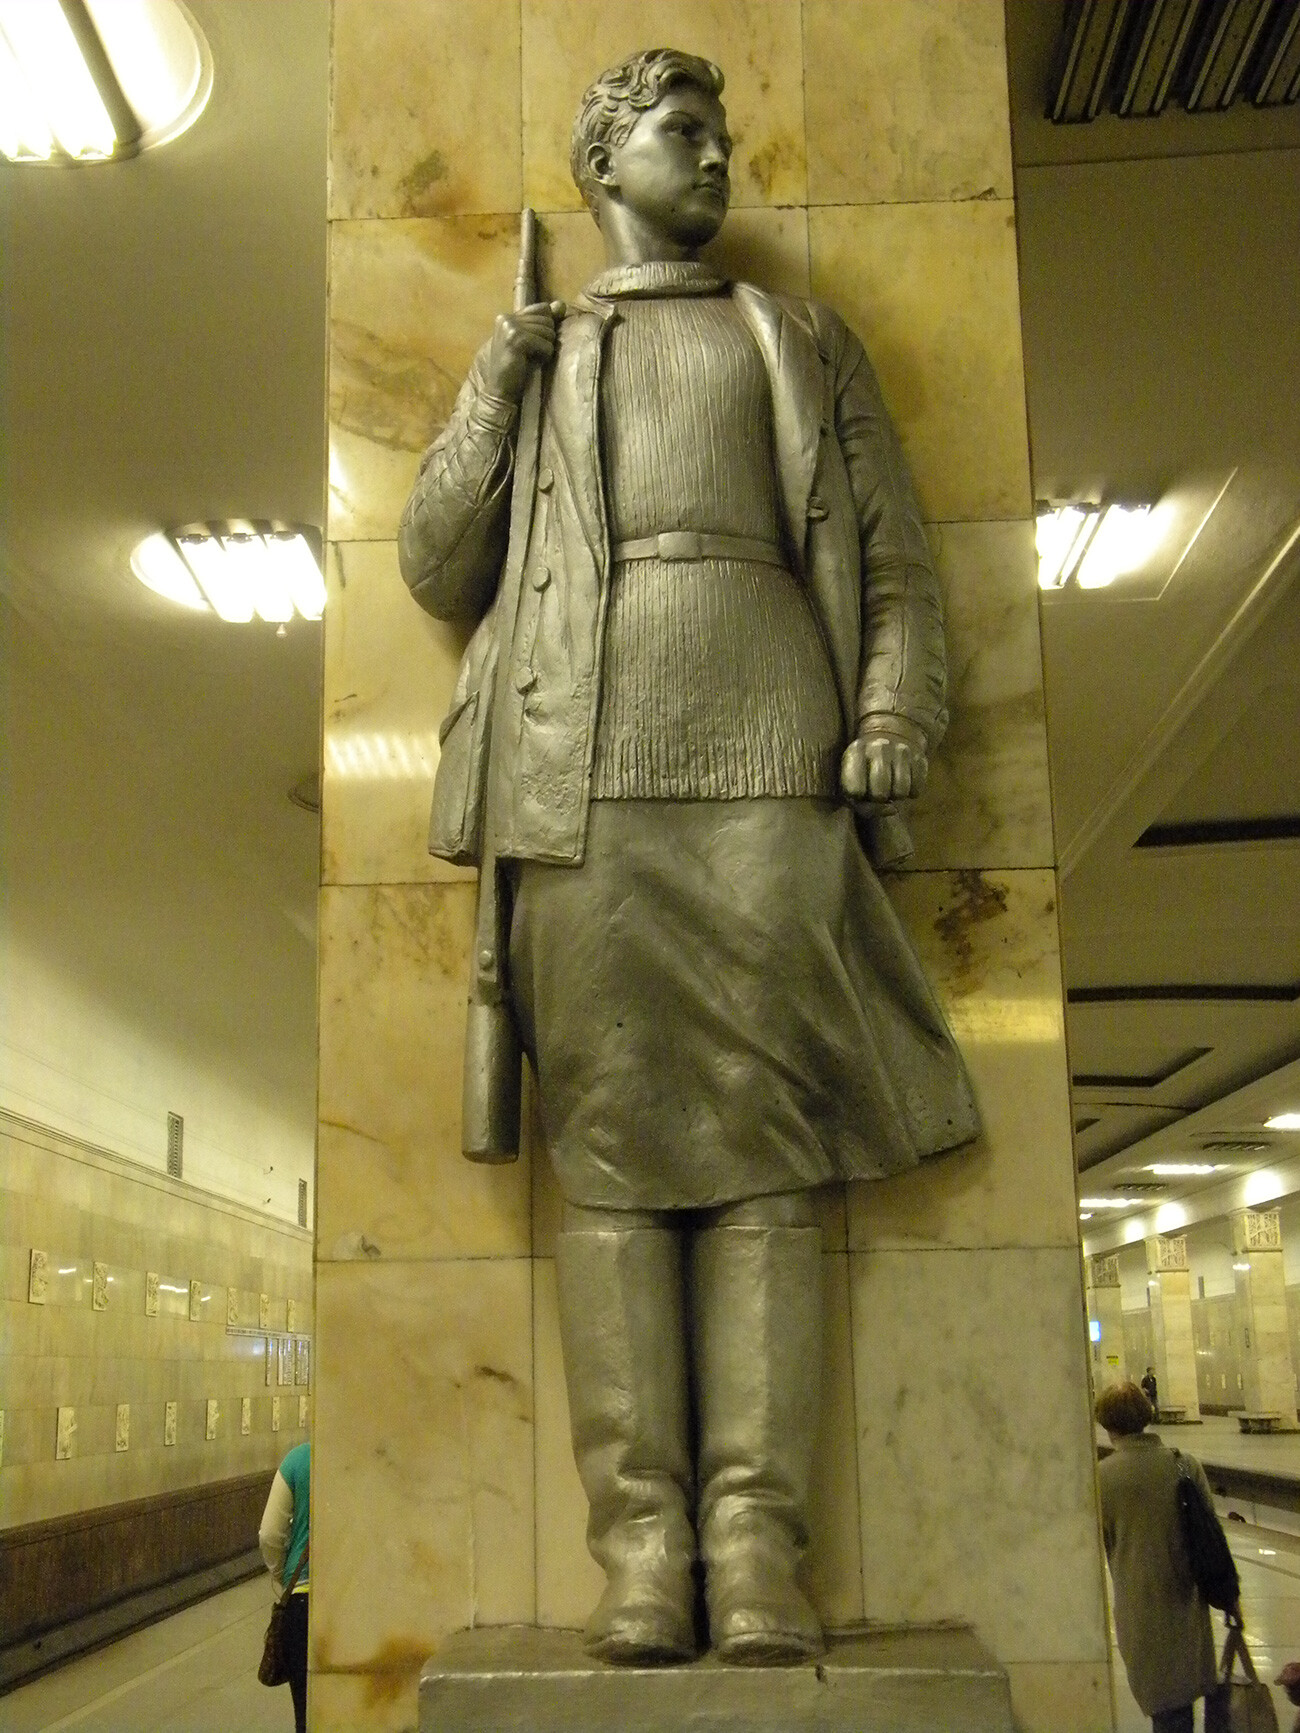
(486, 959)
(545, 480)
(541, 577)
(525, 680)
(817, 509)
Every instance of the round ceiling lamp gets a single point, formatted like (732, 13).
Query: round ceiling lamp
(97, 80)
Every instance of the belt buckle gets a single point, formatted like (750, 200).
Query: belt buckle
(681, 545)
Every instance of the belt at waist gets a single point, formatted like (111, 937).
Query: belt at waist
(692, 545)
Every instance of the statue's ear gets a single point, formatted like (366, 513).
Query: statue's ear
(600, 165)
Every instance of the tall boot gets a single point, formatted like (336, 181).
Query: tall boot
(757, 1298)
(623, 1331)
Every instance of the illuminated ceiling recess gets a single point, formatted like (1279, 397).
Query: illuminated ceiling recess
(85, 81)
(1092, 545)
(239, 571)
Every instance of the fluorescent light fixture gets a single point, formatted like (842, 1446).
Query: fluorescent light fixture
(1094, 1329)
(1262, 1186)
(94, 80)
(160, 568)
(1085, 1215)
(1241, 1266)
(1283, 1122)
(1185, 1169)
(1093, 545)
(238, 569)
(1094, 1203)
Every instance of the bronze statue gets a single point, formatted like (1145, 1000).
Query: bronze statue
(709, 660)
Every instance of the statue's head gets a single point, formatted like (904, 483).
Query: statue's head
(651, 135)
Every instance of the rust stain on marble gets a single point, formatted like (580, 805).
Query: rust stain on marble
(387, 395)
(977, 901)
(391, 1670)
(779, 156)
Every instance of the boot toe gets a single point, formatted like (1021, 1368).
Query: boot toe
(631, 1627)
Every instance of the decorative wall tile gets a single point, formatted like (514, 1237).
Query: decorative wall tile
(284, 1349)
(411, 303)
(987, 802)
(38, 1278)
(393, 1181)
(196, 1302)
(389, 673)
(245, 1415)
(232, 1308)
(264, 1311)
(169, 1423)
(568, 43)
(99, 1289)
(988, 943)
(275, 1413)
(270, 1361)
(446, 1360)
(122, 1436)
(65, 1434)
(302, 1412)
(151, 1293)
(291, 1314)
(212, 1418)
(974, 1448)
(932, 291)
(906, 100)
(414, 132)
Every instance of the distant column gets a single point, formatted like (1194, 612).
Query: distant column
(1106, 1321)
(1169, 1295)
(1267, 1377)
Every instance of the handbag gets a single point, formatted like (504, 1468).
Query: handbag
(1239, 1705)
(273, 1669)
(1214, 1570)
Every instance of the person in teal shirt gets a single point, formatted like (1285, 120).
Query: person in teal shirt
(283, 1540)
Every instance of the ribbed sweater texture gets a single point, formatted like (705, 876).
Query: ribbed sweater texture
(716, 682)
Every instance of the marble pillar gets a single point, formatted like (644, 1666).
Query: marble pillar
(1267, 1376)
(873, 170)
(1169, 1297)
(1106, 1321)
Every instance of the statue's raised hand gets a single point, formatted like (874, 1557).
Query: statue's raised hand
(887, 761)
(520, 342)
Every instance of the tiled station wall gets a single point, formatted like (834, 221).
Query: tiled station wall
(87, 1374)
(872, 170)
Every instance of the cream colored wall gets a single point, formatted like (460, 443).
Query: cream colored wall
(99, 1223)
(873, 170)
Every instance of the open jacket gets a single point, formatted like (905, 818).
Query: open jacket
(529, 687)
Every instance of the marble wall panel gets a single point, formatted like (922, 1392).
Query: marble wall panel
(422, 1485)
(568, 43)
(906, 100)
(389, 673)
(392, 1180)
(1061, 1696)
(987, 802)
(411, 133)
(988, 942)
(974, 1448)
(410, 304)
(932, 291)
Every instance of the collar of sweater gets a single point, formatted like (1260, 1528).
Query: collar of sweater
(657, 277)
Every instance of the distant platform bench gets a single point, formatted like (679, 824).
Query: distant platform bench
(1167, 1416)
(1271, 1422)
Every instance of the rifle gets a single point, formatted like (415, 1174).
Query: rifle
(490, 1099)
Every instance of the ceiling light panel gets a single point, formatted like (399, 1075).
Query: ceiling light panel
(51, 64)
(240, 570)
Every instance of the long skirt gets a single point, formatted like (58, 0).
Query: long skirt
(720, 1003)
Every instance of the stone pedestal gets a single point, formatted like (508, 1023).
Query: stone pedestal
(1267, 1376)
(528, 1681)
(1106, 1321)
(1169, 1295)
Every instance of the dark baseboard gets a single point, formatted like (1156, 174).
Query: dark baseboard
(24, 1661)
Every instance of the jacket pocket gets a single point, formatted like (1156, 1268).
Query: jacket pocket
(460, 783)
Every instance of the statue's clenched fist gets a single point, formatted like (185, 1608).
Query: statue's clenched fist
(887, 761)
(520, 341)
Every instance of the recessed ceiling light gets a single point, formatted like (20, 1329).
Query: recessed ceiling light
(1092, 545)
(1185, 1169)
(238, 569)
(1095, 1203)
(1283, 1122)
(97, 80)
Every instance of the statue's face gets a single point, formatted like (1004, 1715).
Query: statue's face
(671, 170)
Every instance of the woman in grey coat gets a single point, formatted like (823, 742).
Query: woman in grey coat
(1161, 1620)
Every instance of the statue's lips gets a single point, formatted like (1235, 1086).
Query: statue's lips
(714, 190)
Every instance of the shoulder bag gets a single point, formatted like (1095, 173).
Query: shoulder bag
(274, 1666)
(1213, 1567)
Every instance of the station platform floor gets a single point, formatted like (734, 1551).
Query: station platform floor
(196, 1672)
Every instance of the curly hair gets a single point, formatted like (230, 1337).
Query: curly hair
(612, 105)
(1123, 1409)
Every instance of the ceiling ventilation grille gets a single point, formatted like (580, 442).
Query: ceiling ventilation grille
(175, 1144)
(1132, 57)
(1236, 1146)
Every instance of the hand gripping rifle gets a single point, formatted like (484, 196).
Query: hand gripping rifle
(493, 1055)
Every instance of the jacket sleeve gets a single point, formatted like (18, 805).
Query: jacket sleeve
(276, 1524)
(451, 543)
(902, 671)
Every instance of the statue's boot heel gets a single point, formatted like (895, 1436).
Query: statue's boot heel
(757, 1301)
(623, 1330)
